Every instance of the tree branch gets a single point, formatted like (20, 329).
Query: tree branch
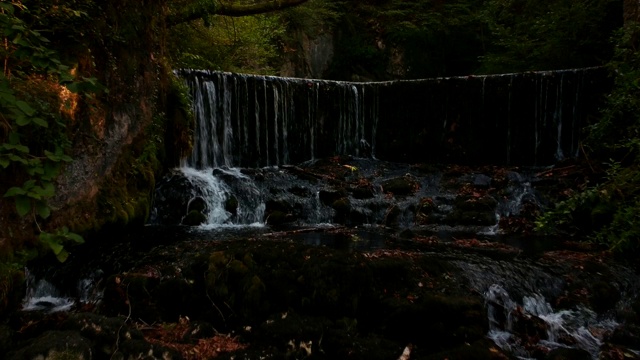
(228, 8)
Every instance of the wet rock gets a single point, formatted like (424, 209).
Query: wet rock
(328, 197)
(197, 204)
(400, 186)
(568, 354)
(362, 192)
(617, 352)
(424, 211)
(478, 350)
(53, 345)
(482, 181)
(627, 335)
(172, 196)
(407, 234)
(277, 218)
(278, 212)
(300, 191)
(604, 296)
(392, 215)
(473, 210)
(194, 218)
(343, 208)
(6, 338)
(231, 205)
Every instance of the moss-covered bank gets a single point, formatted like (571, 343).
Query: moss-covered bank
(120, 138)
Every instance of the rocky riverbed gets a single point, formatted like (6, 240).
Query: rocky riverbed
(413, 262)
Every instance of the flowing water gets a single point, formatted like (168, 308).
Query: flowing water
(249, 128)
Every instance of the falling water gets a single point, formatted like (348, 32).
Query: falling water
(576, 328)
(514, 119)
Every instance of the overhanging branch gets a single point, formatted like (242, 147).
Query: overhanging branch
(228, 8)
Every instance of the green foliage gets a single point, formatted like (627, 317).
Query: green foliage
(33, 139)
(614, 203)
(607, 213)
(245, 44)
(57, 241)
(543, 35)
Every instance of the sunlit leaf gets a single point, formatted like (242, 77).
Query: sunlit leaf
(62, 256)
(56, 247)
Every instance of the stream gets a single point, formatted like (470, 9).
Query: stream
(307, 224)
(535, 297)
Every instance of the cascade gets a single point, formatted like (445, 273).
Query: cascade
(252, 121)
(42, 295)
(514, 119)
(579, 328)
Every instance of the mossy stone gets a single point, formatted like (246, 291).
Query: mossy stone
(194, 218)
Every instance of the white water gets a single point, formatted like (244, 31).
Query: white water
(41, 295)
(576, 328)
(216, 192)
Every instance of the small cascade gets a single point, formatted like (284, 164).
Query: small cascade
(42, 295)
(222, 196)
(577, 328)
(212, 190)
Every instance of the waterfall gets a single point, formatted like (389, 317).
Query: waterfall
(287, 120)
(250, 121)
(514, 119)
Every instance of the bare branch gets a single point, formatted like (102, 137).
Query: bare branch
(228, 8)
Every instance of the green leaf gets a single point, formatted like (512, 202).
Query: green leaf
(29, 184)
(62, 256)
(16, 158)
(47, 189)
(14, 138)
(15, 191)
(23, 205)
(7, 96)
(18, 38)
(75, 238)
(26, 108)
(43, 210)
(51, 169)
(55, 246)
(21, 148)
(22, 120)
(40, 122)
(4, 162)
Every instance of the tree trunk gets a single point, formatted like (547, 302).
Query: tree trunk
(631, 11)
